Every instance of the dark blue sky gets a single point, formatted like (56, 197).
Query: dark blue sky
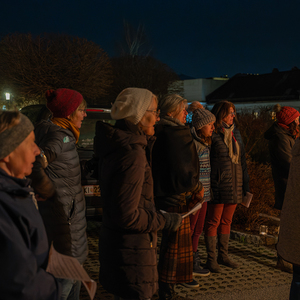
(199, 38)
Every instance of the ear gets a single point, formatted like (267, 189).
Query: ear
(5, 159)
(68, 117)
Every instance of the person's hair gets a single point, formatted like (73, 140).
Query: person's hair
(205, 139)
(82, 105)
(294, 129)
(221, 110)
(172, 104)
(9, 119)
(195, 105)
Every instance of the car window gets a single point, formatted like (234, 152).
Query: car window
(87, 130)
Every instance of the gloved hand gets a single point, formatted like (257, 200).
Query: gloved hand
(173, 221)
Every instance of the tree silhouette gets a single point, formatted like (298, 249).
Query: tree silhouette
(143, 72)
(31, 65)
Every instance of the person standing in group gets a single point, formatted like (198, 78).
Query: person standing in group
(128, 235)
(229, 183)
(281, 139)
(23, 239)
(176, 175)
(56, 177)
(203, 127)
(289, 235)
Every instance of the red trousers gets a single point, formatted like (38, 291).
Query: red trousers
(197, 224)
(219, 218)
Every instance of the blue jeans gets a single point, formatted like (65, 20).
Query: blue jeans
(70, 289)
(295, 286)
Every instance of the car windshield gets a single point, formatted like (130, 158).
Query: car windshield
(87, 130)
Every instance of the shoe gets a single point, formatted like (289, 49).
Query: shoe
(197, 270)
(201, 272)
(284, 265)
(192, 284)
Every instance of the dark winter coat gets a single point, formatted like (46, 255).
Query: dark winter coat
(281, 142)
(229, 181)
(64, 212)
(128, 238)
(289, 236)
(23, 244)
(175, 163)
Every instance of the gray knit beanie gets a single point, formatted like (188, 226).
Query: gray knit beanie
(131, 104)
(202, 117)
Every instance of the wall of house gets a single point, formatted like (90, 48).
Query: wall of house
(198, 89)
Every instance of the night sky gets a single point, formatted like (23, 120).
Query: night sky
(198, 38)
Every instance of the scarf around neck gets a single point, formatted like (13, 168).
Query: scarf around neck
(67, 124)
(231, 142)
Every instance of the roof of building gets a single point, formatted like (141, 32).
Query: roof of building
(266, 87)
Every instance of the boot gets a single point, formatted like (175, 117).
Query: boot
(284, 265)
(197, 270)
(211, 264)
(223, 258)
(166, 291)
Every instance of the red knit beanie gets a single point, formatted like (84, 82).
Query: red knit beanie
(63, 102)
(287, 115)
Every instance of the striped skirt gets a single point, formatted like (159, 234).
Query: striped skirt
(176, 253)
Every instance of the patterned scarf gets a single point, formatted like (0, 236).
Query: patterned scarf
(67, 124)
(231, 143)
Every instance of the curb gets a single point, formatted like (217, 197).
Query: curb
(258, 240)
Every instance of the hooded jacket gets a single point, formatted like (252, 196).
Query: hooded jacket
(280, 142)
(23, 244)
(64, 212)
(128, 237)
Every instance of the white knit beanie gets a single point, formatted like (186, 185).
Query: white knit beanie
(131, 104)
(202, 117)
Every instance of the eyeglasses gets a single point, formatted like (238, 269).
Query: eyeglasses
(155, 112)
(232, 113)
(82, 110)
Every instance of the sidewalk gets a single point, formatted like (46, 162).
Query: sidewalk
(256, 278)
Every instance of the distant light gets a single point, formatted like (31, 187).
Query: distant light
(7, 96)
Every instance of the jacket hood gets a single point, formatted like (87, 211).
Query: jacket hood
(122, 135)
(274, 130)
(14, 186)
(46, 126)
(200, 143)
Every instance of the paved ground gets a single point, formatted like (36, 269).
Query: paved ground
(255, 279)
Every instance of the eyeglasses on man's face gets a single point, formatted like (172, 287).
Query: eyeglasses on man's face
(155, 112)
(82, 111)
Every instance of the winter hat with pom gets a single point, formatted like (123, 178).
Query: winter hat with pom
(286, 114)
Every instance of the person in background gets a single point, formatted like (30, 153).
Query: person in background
(128, 236)
(288, 241)
(203, 127)
(229, 183)
(281, 139)
(57, 177)
(194, 105)
(176, 175)
(23, 239)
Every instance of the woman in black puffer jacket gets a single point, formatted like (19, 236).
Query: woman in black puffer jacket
(58, 179)
(229, 183)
